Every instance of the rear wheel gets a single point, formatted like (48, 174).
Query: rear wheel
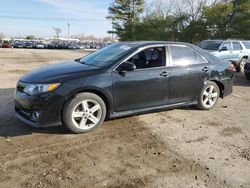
(209, 96)
(84, 113)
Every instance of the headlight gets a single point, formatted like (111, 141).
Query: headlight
(33, 89)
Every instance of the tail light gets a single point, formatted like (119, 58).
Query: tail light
(232, 68)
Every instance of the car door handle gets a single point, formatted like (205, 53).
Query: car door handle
(164, 74)
(205, 69)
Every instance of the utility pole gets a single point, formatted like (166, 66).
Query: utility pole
(68, 30)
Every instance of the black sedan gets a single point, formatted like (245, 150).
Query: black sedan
(119, 80)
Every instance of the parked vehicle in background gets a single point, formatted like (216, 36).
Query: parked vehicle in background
(232, 50)
(82, 47)
(118, 81)
(73, 46)
(247, 47)
(28, 45)
(39, 45)
(19, 45)
(6, 45)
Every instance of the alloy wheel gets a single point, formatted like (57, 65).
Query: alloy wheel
(86, 114)
(210, 96)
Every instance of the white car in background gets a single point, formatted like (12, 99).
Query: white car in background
(39, 45)
(236, 51)
(246, 44)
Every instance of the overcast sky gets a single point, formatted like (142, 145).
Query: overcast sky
(37, 17)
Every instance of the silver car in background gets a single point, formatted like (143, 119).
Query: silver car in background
(236, 51)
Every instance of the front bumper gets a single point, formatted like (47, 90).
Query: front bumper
(48, 106)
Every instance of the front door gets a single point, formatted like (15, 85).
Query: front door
(147, 86)
(226, 51)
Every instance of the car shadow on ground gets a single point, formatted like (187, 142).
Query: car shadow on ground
(240, 80)
(10, 126)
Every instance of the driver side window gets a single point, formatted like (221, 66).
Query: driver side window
(149, 58)
(227, 45)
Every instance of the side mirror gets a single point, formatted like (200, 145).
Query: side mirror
(78, 60)
(224, 48)
(126, 66)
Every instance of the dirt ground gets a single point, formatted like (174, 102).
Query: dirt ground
(183, 147)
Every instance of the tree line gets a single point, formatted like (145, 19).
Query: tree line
(180, 20)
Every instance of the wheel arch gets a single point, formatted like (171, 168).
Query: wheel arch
(245, 57)
(96, 91)
(221, 87)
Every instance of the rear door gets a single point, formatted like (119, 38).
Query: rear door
(189, 71)
(237, 51)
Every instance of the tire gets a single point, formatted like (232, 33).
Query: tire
(241, 65)
(84, 113)
(247, 76)
(209, 96)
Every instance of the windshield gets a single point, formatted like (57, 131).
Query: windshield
(246, 44)
(210, 45)
(107, 55)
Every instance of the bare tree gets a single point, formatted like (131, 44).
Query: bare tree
(159, 8)
(58, 31)
(191, 8)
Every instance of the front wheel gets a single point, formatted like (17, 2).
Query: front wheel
(209, 96)
(242, 65)
(84, 113)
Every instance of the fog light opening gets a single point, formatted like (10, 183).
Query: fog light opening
(35, 115)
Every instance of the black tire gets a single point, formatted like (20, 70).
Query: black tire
(240, 67)
(201, 99)
(71, 105)
(247, 76)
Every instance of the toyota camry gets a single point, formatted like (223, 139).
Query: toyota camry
(122, 79)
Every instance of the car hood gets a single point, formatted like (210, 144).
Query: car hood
(58, 72)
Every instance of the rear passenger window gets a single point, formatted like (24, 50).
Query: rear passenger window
(247, 44)
(200, 59)
(182, 55)
(237, 46)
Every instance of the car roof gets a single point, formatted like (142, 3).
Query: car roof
(139, 44)
(214, 40)
(148, 43)
(229, 40)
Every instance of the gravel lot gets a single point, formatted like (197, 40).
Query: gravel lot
(176, 148)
